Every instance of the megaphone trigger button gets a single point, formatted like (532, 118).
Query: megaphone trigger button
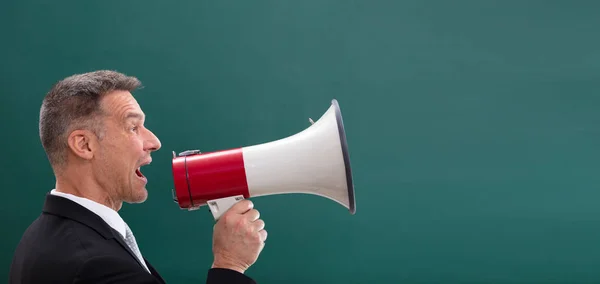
(189, 152)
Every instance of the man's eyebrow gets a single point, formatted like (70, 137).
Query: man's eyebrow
(134, 115)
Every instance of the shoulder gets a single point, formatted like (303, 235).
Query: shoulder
(53, 248)
(50, 234)
(49, 251)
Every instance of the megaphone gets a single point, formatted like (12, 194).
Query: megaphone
(313, 161)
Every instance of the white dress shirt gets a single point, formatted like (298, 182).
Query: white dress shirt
(110, 216)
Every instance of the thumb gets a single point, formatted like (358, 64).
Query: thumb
(242, 206)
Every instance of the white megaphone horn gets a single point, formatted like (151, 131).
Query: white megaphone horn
(314, 161)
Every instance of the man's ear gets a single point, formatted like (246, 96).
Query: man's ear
(83, 143)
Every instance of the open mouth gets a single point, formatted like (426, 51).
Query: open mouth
(138, 171)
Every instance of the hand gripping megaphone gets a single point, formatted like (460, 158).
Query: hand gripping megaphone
(313, 161)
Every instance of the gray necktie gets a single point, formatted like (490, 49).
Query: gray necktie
(130, 240)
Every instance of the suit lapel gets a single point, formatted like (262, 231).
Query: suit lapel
(63, 207)
(153, 271)
(123, 244)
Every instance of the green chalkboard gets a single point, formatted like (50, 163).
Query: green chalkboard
(473, 128)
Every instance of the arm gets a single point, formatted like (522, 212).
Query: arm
(238, 239)
(223, 275)
(110, 269)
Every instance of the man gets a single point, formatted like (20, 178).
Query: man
(93, 132)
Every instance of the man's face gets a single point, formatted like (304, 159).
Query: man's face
(126, 147)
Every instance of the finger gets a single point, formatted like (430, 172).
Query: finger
(258, 225)
(252, 215)
(263, 235)
(242, 206)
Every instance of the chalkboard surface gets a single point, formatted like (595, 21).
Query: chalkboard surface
(473, 128)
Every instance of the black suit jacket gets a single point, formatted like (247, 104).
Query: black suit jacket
(68, 243)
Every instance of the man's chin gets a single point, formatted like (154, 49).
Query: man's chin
(139, 196)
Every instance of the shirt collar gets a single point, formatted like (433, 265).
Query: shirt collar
(109, 215)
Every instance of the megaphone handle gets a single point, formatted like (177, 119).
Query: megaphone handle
(221, 205)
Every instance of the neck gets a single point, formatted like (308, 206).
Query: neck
(84, 184)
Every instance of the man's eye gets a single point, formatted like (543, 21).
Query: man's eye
(135, 128)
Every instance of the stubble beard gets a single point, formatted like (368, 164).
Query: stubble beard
(136, 195)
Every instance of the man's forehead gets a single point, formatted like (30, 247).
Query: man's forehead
(122, 104)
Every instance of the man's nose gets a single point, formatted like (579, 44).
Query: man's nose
(152, 142)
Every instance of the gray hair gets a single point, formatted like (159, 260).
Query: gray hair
(74, 103)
